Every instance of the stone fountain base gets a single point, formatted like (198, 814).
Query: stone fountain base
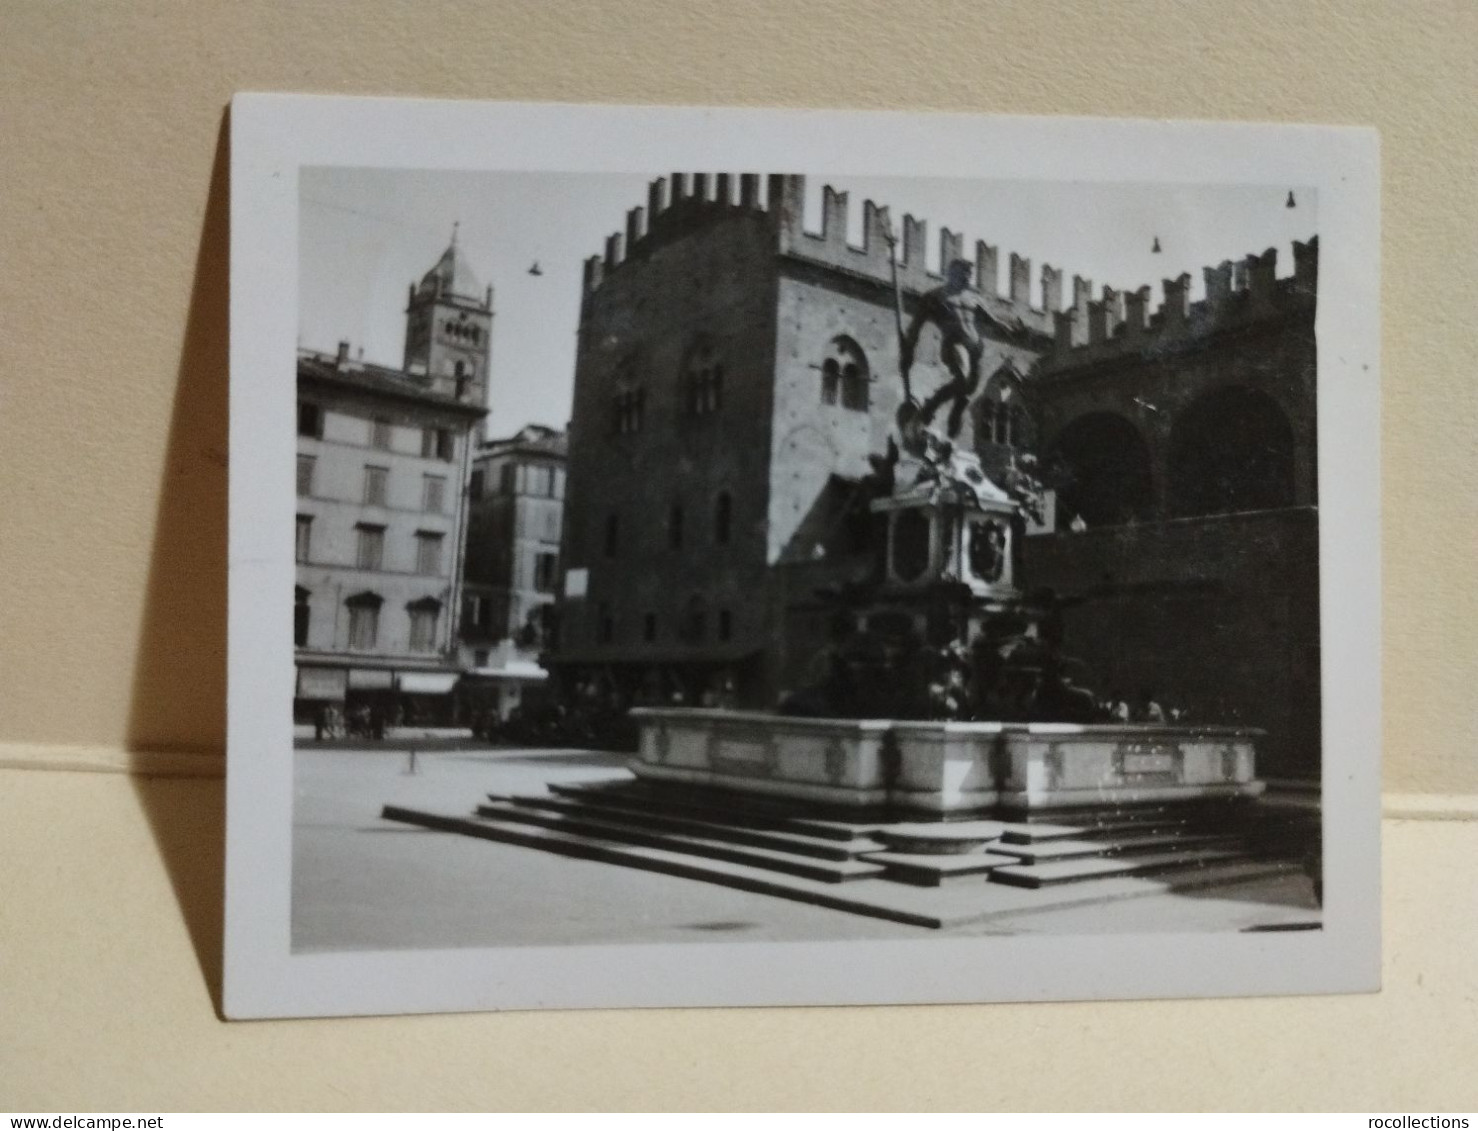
(946, 769)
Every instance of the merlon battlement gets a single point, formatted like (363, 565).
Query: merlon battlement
(675, 204)
(682, 201)
(1082, 331)
(1237, 294)
(874, 258)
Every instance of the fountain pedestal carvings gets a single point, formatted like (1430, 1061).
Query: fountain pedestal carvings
(943, 768)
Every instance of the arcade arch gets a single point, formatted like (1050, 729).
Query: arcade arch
(1109, 465)
(1230, 450)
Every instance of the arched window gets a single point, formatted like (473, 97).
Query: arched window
(1000, 412)
(1231, 450)
(1108, 464)
(845, 377)
(985, 416)
(723, 518)
(831, 381)
(703, 378)
(628, 400)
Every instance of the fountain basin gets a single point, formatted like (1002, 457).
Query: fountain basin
(946, 768)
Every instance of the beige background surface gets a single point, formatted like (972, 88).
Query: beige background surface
(112, 542)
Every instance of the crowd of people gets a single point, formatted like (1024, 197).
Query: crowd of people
(362, 720)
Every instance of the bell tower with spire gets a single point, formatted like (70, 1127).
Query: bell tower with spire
(449, 328)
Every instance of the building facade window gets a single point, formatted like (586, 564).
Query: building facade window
(831, 381)
(723, 518)
(304, 546)
(845, 376)
(695, 621)
(477, 484)
(306, 465)
(478, 613)
(1002, 423)
(364, 621)
(612, 535)
(310, 420)
(629, 410)
(541, 481)
(508, 479)
(370, 551)
(376, 483)
(433, 494)
(649, 627)
(725, 624)
(438, 443)
(424, 614)
(605, 624)
(300, 616)
(546, 571)
(380, 434)
(428, 551)
(675, 527)
(703, 380)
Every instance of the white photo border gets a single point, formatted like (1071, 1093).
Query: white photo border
(273, 136)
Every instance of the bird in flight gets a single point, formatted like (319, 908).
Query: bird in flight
(536, 269)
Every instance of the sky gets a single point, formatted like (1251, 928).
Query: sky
(366, 234)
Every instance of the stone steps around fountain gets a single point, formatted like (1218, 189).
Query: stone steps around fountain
(713, 803)
(618, 811)
(791, 863)
(713, 830)
(1065, 872)
(1123, 844)
(872, 897)
(933, 869)
(953, 905)
(1038, 832)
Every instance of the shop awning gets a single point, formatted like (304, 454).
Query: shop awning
(370, 679)
(321, 683)
(525, 671)
(427, 683)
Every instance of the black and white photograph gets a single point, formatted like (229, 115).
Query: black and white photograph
(762, 558)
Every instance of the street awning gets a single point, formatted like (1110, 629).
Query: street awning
(370, 679)
(321, 683)
(427, 683)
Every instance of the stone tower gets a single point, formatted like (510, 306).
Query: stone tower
(449, 328)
